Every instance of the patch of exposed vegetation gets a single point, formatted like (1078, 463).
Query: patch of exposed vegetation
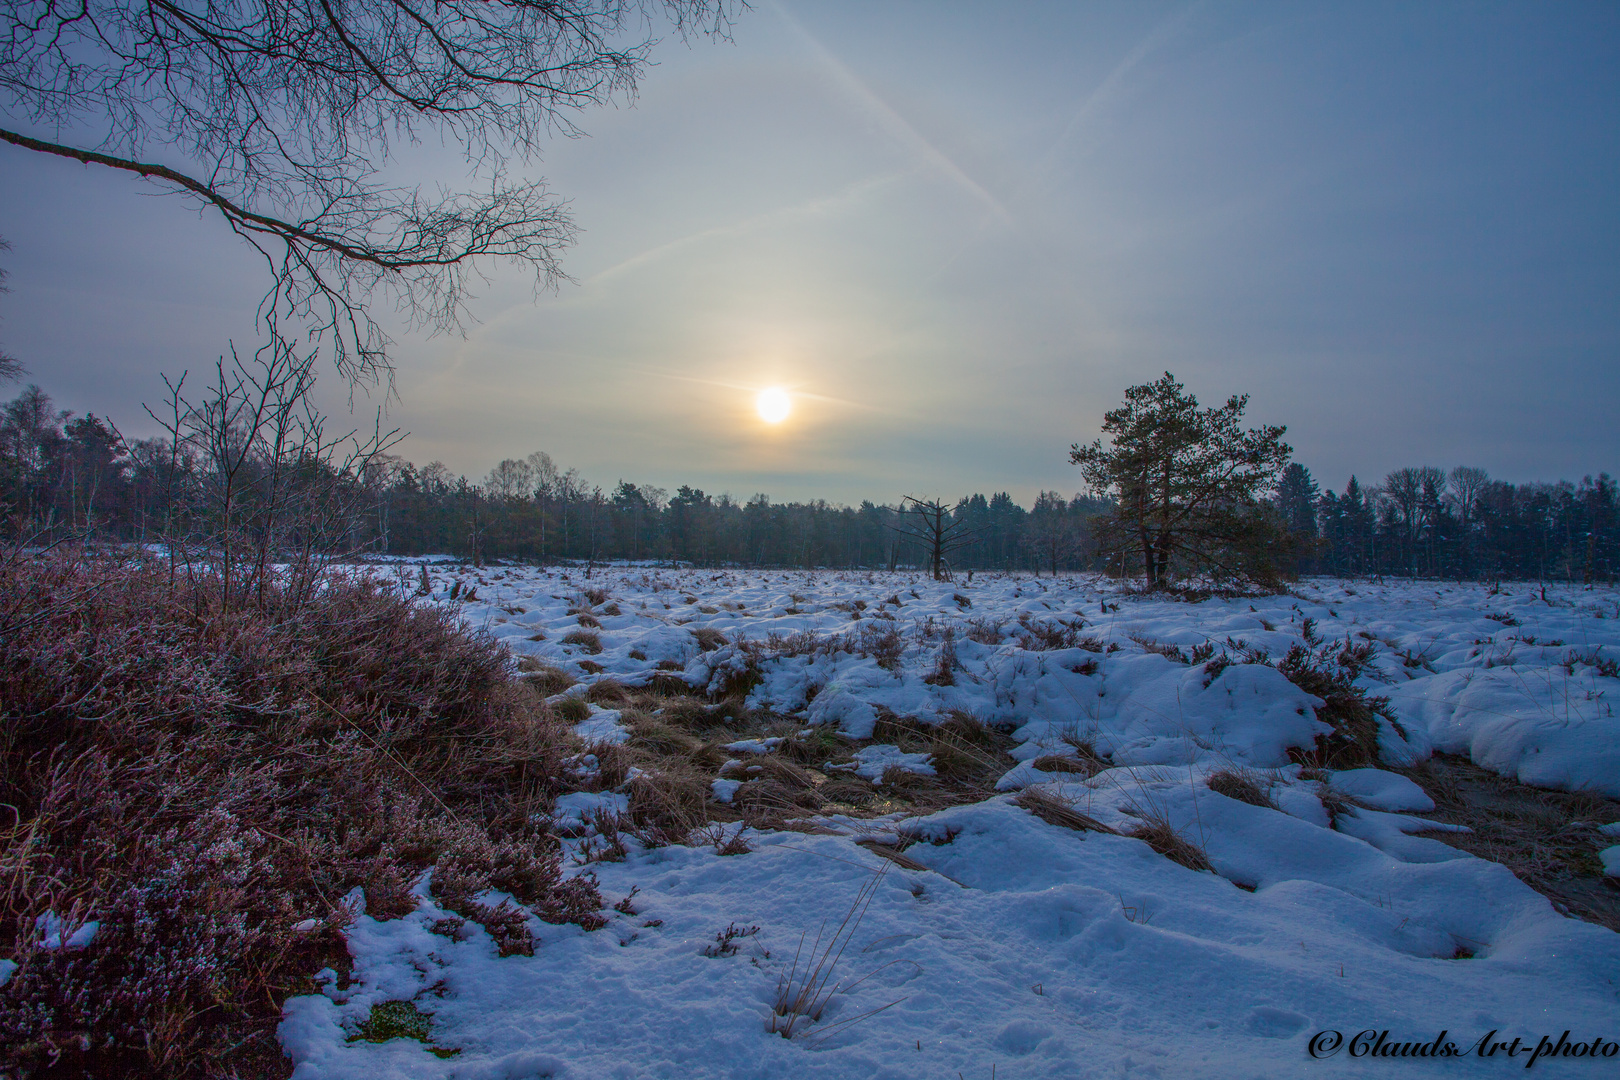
(1055, 810)
(1244, 785)
(587, 640)
(1549, 839)
(1329, 671)
(200, 777)
(400, 1020)
(1157, 832)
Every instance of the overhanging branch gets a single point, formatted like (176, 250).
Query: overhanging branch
(254, 221)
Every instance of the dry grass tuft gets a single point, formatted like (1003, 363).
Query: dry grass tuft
(1333, 802)
(815, 749)
(908, 734)
(607, 692)
(545, 679)
(1086, 753)
(573, 710)
(1157, 832)
(657, 739)
(1059, 763)
(667, 807)
(969, 730)
(689, 714)
(588, 640)
(964, 750)
(946, 663)
(1055, 810)
(905, 781)
(847, 789)
(968, 756)
(775, 788)
(894, 853)
(613, 762)
(803, 992)
(1243, 785)
(735, 684)
(668, 681)
(708, 638)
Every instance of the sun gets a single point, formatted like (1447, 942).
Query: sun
(774, 405)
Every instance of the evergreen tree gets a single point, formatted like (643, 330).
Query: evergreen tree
(1296, 503)
(1187, 484)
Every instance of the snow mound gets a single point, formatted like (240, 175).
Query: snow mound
(1381, 790)
(872, 761)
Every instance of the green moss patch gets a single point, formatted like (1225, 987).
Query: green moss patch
(400, 1020)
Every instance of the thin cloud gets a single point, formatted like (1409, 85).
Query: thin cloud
(754, 389)
(824, 205)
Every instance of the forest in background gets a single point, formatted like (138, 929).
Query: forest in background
(63, 475)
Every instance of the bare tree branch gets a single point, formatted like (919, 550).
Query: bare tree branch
(290, 110)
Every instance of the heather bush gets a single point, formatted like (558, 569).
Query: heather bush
(207, 782)
(1329, 671)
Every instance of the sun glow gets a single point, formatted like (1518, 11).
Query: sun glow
(774, 405)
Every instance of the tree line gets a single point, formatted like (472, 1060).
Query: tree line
(66, 475)
(61, 475)
(531, 509)
(1462, 524)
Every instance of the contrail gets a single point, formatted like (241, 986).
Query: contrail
(1093, 102)
(891, 121)
(1090, 106)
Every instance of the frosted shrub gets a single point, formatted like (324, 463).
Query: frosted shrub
(204, 779)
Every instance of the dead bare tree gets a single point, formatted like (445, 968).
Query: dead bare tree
(931, 523)
(1466, 485)
(11, 368)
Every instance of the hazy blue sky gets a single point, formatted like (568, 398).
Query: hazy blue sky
(957, 231)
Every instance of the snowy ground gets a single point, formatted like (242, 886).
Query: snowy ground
(1020, 945)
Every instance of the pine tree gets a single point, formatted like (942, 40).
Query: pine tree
(1187, 484)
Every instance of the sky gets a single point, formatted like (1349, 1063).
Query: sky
(955, 232)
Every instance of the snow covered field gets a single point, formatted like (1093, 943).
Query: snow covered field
(1001, 938)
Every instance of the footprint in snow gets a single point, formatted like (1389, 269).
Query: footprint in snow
(1269, 1023)
(1020, 1037)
